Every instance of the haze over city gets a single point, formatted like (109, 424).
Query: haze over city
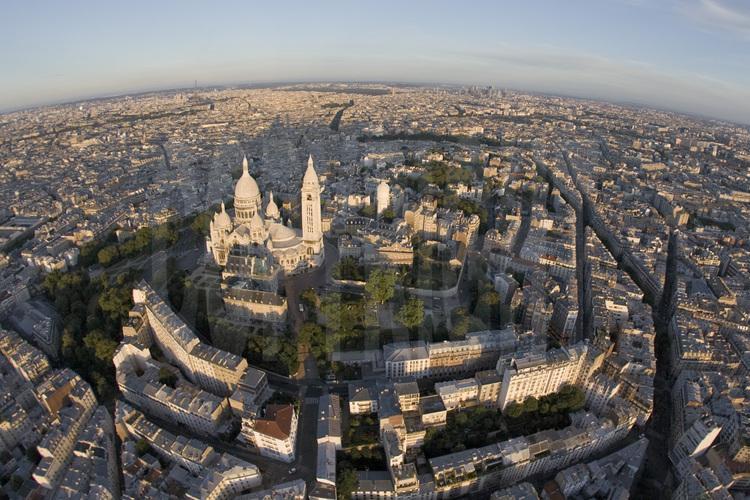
(375, 250)
(690, 56)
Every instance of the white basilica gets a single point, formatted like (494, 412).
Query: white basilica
(257, 240)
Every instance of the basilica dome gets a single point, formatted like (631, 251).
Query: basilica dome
(246, 196)
(246, 188)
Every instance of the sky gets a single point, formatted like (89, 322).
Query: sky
(685, 55)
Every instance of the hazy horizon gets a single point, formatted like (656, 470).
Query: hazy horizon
(688, 56)
(272, 84)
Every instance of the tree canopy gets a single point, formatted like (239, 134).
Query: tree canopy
(411, 314)
(92, 313)
(381, 285)
(349, 268)
(546, 412)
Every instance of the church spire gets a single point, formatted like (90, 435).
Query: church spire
(244, 165)
(311, 176)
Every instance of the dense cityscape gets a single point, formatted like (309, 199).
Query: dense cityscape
(369, 291)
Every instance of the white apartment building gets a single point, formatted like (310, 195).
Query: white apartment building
(275, 435)
(216, 370)
(94, 460)
(478, 351)
(138, 379)
(15, 424)
(213, 369)
(219, 476)
(406, 359)
(363, 398)
(226, 478)
(252, 391)
(171, 334)
(407, 394)
(458, 393)
(489, 383)
(540, 374)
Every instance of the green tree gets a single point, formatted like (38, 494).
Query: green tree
(461, 322)
(108, 255)
(331, 309)
(368, 211)
(105, 391)
(411, 313)
(513, 410)
(102, 346)
(342, 316)
(116, 301)
(488, 306)
(388, 215)
(310, 298)
(530, 404)
(17, 481)
(320, 344)
(201, 223)
(176, 284)
(348, 268)
(381, 285)
(346, 482)
(288, 355)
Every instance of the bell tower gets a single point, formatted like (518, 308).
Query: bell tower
(312, 233)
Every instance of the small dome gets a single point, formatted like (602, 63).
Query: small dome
(256, 223)
(246, 188)
(272, 211)
(282, 236)
(280, 232)
(221, 219)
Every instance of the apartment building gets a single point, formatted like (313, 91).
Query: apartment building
(363, 398)
(329, 420)
(213, 369)
(407, 394)
(139, 379)
(71, 402)
(458, 393)
(478, 351)
(406, 359)
(93, 470)
(539, 374)
(275, 434)
(488, 388)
